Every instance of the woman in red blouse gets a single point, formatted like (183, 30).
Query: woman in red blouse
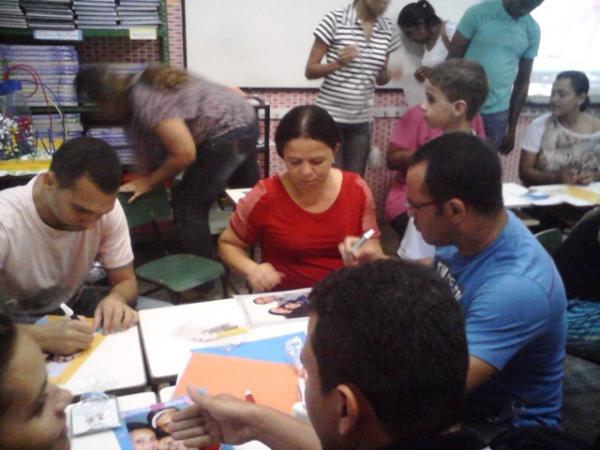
(300, 216)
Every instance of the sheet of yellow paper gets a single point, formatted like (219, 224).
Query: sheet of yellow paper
(18, 165)
(72, 366)
(583, 194)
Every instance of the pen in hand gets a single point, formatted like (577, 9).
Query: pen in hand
(346, 255)
(364, 238)
(68, 312)
(248, 396)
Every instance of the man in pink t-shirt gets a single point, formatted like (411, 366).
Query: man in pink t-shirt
(51, 232)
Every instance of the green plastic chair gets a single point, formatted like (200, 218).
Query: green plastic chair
(177, 272)
(550, 239)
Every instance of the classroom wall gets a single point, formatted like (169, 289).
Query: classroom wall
(379, 179)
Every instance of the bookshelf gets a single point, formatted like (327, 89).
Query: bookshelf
(89, 45)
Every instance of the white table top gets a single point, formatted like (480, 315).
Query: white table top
(116, 364)
(167, 352)
(518, 196)
(107, 439)
(166, 393)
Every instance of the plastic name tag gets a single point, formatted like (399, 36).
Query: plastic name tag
(95, 412)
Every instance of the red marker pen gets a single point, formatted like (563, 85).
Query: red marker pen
(249, 397)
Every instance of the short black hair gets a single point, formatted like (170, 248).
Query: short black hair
(8, 339)
(413, 13)
(461, 79)
(87, 156)
(460, 165)
(309, 121)
(132, 426)
(580, 84)
(393, 329)
(150, 416)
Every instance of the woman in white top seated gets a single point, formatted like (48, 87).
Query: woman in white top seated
(420, 24)
(563, 146)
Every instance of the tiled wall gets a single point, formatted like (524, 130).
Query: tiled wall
(111, 49)
(175, 17)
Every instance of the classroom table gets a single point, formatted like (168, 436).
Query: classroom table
(106, 440)
(117, 365)
(518, 196)
(167, 351)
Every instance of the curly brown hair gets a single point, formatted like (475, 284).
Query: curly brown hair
(163, 77)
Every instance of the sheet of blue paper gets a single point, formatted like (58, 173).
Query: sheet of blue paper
(271, 349)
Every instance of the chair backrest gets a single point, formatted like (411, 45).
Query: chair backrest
(148, 208)
(550, 239)
(537, 438)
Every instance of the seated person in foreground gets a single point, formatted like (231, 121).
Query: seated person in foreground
(52, 230)
(563, 146)
(300, 216)
(578, 261)
(33, 410)
(386, 362)
(511, 294)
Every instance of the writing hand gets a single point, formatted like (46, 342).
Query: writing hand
(65, 337)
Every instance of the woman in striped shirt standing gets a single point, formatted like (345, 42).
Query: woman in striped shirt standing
(356, 42)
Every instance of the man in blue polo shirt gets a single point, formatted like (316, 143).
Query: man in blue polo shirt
(502, 37)
(511, 294)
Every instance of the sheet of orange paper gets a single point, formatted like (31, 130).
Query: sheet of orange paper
(272, 384)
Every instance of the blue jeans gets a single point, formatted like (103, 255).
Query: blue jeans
(495, 125)
(229, 160)
(356, 144)
(583, 329)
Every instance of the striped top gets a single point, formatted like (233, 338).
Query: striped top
(348, 93)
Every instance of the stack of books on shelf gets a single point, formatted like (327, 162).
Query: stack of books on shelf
(11, 16)
(48, 14)
(56, 66)
(118, 138)
(138, 13)
(95, 14)
(50, 131)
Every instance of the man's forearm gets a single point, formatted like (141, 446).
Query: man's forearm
(37, 333)
(517, 101)
(283, 432)
(126, 290)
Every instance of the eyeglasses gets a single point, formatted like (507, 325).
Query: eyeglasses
(416, 206)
